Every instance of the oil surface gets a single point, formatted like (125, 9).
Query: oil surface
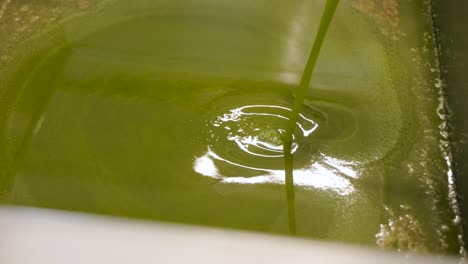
(172, 110)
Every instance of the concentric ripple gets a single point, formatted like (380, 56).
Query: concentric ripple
(244, 147)
(250, 135)
(256, 129)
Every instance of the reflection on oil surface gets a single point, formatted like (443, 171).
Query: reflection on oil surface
(244, 147)
(171, 110)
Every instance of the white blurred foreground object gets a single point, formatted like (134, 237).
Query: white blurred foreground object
(45, 236)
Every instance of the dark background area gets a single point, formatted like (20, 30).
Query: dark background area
(451, 22)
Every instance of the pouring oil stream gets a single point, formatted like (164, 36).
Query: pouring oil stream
(287, 137)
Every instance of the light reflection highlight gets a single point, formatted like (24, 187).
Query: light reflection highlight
(327, 174)
(256, 129)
